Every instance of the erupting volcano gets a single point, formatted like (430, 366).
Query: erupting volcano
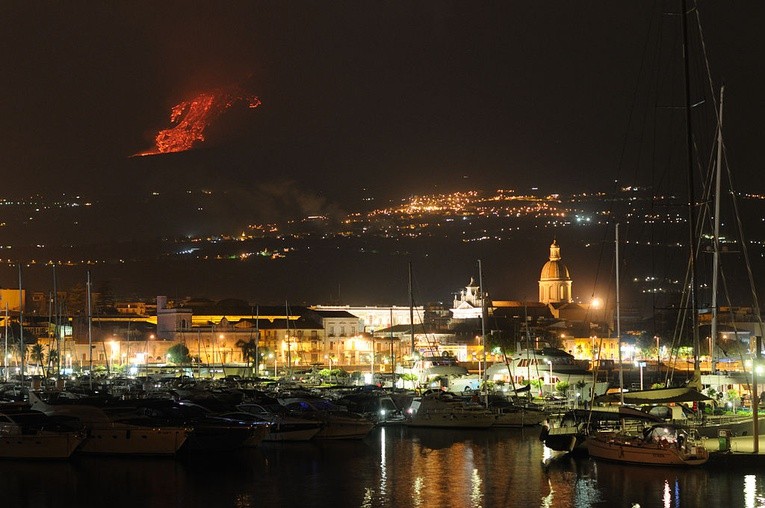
(192, 117)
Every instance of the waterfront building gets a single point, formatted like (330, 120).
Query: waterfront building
(294, 337)
(374, 318)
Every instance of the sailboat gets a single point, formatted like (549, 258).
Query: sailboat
(663, 444)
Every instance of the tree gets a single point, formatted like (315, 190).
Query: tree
(178, 353)
(501, 339)
(37, 354)
(52, 361)
(410, 377)
(249, 350)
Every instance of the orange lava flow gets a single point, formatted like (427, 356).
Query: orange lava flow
(191, 118)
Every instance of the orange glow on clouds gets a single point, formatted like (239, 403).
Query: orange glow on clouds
(191, 118)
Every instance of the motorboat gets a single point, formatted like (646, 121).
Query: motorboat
(337, 421)
(260, 427)
(209, 431)
(122, 432)
(33, 435)
(659, 445)
(445, 410)
(282, 427)
(376, 405)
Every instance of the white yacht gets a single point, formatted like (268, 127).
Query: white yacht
(445, 410)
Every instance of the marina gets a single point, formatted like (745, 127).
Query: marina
(392, 466)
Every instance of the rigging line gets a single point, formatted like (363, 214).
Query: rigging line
(726, 292)
(660, 179)
(630, 114)
(431, 345)
(680, 322)
(620, 164)
(745, 251)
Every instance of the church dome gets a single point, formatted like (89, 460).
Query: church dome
(554, 269)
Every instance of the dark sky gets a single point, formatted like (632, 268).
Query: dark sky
(393, 96)
(397, 98)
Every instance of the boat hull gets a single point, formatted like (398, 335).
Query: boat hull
(119, 439)
(344, 429)
(519, 418)
(452, 419)
(635, 451)
(562, 439)
(42, 445)
(281, 432)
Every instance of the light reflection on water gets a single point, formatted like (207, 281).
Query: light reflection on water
(394, 467)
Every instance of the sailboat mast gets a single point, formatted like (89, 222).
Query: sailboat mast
(691, 203)
(5, 352)
(289, 346)
(90, 337)
(257, 340)
(57, 323)
(483, 333)
(716, 238)
(411, 312)
(619, 320)
(392, 355)
(22, 347)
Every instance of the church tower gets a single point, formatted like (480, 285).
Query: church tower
(554, 281)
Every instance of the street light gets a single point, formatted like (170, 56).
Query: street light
(658, 354)
(641, 365)
(551, 376)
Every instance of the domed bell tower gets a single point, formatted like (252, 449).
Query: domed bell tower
(554, 281)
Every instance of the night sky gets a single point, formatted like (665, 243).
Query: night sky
(394, 96)
(384, 99)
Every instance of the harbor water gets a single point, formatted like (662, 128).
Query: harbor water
(392, 467)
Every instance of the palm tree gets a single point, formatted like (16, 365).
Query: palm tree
(52, 360)
(38, 355)
(249, 351)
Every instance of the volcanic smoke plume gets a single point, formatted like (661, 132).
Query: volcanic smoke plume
(192, 117)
